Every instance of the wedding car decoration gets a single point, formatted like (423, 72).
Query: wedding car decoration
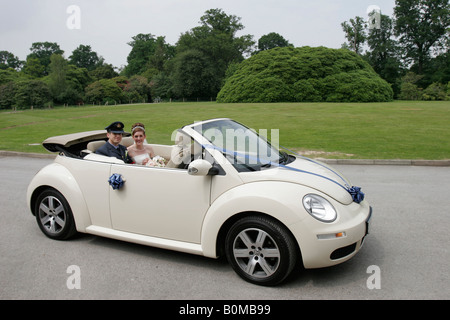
(222, 190)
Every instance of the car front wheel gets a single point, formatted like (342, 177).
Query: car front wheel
(54, 216)
(261, 250)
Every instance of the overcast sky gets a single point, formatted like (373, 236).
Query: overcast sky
(107, 25)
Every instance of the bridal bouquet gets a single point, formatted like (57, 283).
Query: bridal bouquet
(157, 161)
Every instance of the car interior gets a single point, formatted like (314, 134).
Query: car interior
(177, 156)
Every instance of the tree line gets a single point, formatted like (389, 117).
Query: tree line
(409, 51)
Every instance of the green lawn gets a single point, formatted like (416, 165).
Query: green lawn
(395, 130)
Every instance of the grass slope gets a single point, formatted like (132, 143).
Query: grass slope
(392, 130)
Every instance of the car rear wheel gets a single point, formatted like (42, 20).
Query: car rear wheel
(261, 250)
(54, 216)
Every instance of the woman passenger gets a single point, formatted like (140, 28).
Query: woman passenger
(140, 152)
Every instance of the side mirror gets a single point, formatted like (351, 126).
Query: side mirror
(201, 167)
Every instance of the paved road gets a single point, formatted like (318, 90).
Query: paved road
(406, 255)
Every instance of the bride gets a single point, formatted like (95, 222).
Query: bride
(140, 153)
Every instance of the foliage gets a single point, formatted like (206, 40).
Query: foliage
(142, 47)
(435, 91)
(104, 71)
(420, 26)
(31, 93)
(355, 34)
(9, 60)
(147, 52)
(57, 77)
(409, 89)
(7, 94)
(104, 91)
(209, 59)
(34, 68)
(42, 51)
(84, 57)
(137, 89)
(272, 40)
(305, 74)
(194, 75)
(216, 39)
(384, 55)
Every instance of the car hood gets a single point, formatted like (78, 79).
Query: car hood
(313, 174)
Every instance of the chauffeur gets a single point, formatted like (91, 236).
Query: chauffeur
(113, 148)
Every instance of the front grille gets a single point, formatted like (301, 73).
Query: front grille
(342, 252)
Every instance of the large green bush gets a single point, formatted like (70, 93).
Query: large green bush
(305, 74)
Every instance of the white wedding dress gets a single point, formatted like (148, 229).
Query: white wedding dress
(140, 158)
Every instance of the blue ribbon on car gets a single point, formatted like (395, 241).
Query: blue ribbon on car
(116, 181)
(355, 192)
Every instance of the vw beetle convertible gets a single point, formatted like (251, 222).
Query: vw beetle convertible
(224, 191)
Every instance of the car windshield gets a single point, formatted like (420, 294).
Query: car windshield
(243, 147)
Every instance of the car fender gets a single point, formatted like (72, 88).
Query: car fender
(58, 177)
(280, 200)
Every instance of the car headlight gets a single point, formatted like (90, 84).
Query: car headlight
(319, 208)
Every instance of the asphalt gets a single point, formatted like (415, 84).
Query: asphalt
(400, 162)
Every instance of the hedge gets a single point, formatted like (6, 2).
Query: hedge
(305, 74)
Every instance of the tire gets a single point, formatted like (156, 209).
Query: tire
(261, 250)
(54, 216)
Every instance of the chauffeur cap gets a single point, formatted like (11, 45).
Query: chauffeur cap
(115, 127)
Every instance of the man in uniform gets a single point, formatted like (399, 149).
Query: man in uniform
(113, 148)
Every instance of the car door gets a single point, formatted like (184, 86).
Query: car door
(160, 202)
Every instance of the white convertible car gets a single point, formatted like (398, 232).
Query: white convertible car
(224, 190)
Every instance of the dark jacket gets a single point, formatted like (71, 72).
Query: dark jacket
(120, 153)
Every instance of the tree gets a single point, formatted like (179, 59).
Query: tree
(355, 34)
(137, 89)
(194, 76)
(163, 53)
(420, 26)
(436, 69)
(78, 78)
(65, 81)
(9, 60)
(143, 46)
(384, 52)
(272, 40)
(33, 67)
(409, 89)
(103, 71)
(435, 91)
(11, 75)
(7, 95)
(31, 93)
(84, 57)
(57, 77)
(104, 91)
(43, 51)
(216, 39)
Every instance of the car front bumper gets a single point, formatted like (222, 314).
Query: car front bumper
(335, 244)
